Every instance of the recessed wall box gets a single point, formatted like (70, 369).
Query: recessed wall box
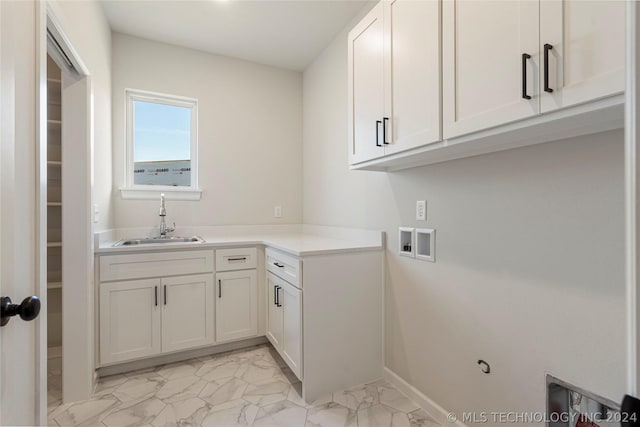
(426, 244)
(405, 242)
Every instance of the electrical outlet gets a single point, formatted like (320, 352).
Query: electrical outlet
(421, 210)
(277, 211)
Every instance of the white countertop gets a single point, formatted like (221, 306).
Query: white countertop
(304, 241)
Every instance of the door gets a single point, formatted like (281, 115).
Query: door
(412, 74)
(490, 63)
(187, 312)
(585, 48)
(23, 214)
(274, 313)
(236, 305)
(291, 301)
(129, 320)
(366, 87)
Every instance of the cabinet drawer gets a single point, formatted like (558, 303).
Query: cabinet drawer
(236, 259)
(136, 266)
(284, 266)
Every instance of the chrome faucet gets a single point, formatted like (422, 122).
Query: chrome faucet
(163, 213)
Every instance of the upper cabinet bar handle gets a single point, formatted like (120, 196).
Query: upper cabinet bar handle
(384, 130)
(525, 56)
(378, 123)
(165, 294)
(547, 48)
(155, 291)
(219, 288)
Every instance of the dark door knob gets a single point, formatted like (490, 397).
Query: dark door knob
(27, 310)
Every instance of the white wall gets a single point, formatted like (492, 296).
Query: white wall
(529, 249)
(87, 28)
(250, 134)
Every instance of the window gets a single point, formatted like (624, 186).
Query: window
(161, 146)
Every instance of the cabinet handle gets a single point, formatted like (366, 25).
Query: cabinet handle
(525, 56)
(165, 294)
(278, 265)
(155, 291)
(275, 295)
(384, 130)
(547, 48)
(244, 258)
(378, 123)
(219, 288)
(278, 296)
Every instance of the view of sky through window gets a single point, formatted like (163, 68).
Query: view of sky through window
(161, 132)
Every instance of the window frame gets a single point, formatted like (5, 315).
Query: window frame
(133, 191)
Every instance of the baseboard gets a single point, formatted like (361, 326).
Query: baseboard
(178, 357)
(440, 414)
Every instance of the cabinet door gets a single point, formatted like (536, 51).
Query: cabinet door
(274, 313)
(129, 320)
(187, 312)
(236, 305)
(586, 59)
(291, 301)
(366, 87)
(412, 74)
(483, 64)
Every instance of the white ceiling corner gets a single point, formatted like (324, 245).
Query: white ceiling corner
(286, 34)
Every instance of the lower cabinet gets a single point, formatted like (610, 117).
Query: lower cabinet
(284, 321)
(129, 320)
(140, 318)
(236, 305)
(274, 312)
(187, 312)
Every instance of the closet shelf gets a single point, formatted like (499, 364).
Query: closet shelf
(58, 204)
(54, 162)
(54, 285)
(54, 244)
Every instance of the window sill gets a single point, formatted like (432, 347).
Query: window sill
(171, 193)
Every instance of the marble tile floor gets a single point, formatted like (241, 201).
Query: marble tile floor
(249, 387)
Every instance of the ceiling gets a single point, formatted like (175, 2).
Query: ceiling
(286, 34)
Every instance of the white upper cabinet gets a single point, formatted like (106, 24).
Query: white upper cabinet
(394, 79)
(412, 74)
(366, 87)
(490, 63)
(584, 43)
(513, 73)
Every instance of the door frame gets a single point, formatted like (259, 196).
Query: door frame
(77, 383)
(632, 195)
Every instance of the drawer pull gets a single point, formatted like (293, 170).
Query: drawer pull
(244, 258)
(384, 130)
(278, 265)
(278, 296)
(525, 56)
(547, 48)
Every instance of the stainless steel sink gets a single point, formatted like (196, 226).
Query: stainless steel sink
(159, 241)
